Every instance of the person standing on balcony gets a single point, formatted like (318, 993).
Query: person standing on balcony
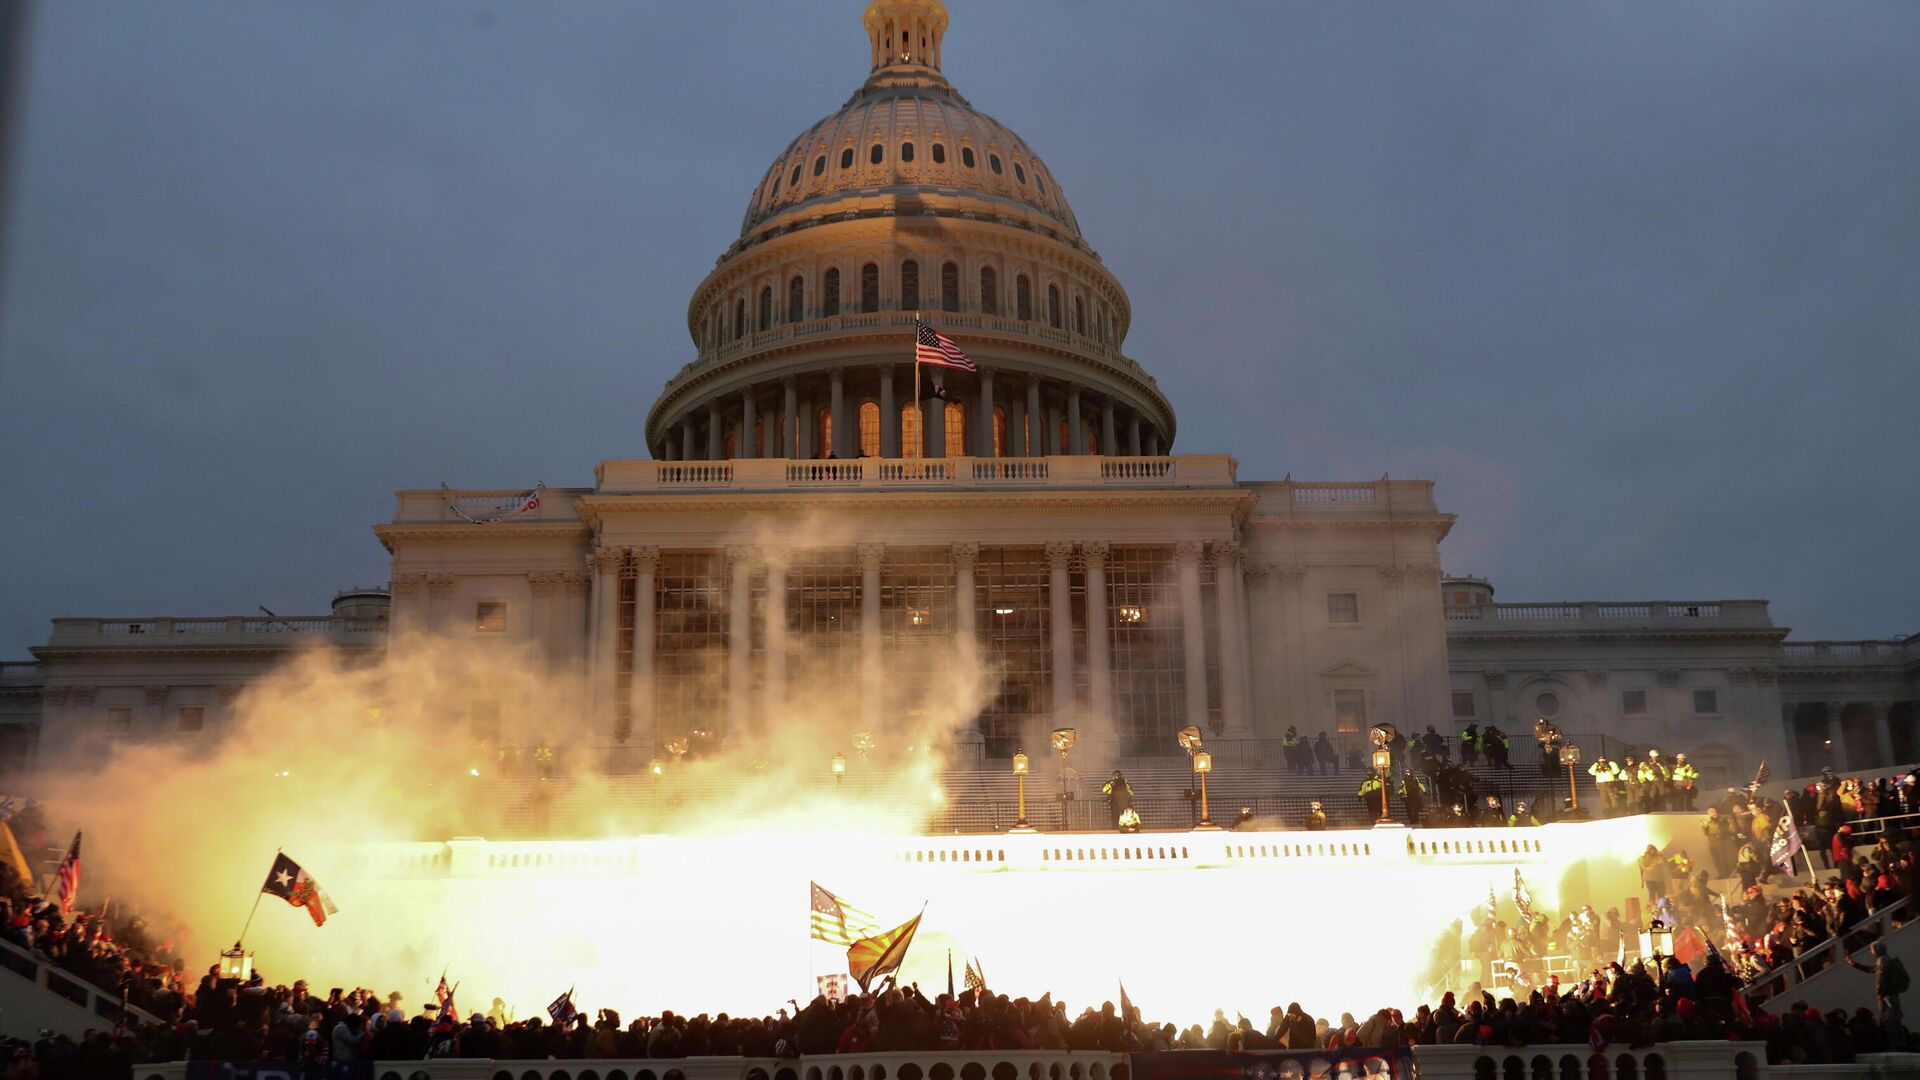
(1119, 795)
(1685, 776)
(1606, 781)
(1325, 756)
(1890, 980)
(1470, 744)
(1494, 744)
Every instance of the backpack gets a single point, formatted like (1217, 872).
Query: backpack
(1894, 977)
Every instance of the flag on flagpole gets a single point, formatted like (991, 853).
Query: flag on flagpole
(837, 922)
(1759, 777)
(290, 883)
(66, 879)
(936, 349)
(1522, 897)
(871, 957)
(1786, 844)
(562, 1009)
(976, 979)
(1128, 1014)
(10, 851)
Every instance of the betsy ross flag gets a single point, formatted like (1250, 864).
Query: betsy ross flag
(837, 922)
(66, 879)
(290, 883)
(930, 346)
(871, 957)
(562, 1009)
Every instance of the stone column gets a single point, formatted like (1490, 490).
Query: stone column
(1193, 631)
(1036, 420)
(1230, 589)
(686, 439)
(889, 415)
(837, 403)
(775, 689)
(716, 446)
(646, 563)
(606, 629)
(1133, 434)
(1076, 431)
(1880, 713)
(740, 562)
(1108, 445)
(789, 419)
(1153, 442)
(1837, 736)
(1099, 639)
(871, 556)
(933, 427)
(983, 438)
(1262, 639)
(806, 433)
(965, 624)
(1060, 629)
(1017, 425)
(745, 448)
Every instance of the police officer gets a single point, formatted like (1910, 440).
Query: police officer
(1685, 776)
(1413, 792)
(1607, 780)
(1470, 744)
(543, 760)
(1521, 816)
(1653, 783)
(1494, 744)
(1369, 795)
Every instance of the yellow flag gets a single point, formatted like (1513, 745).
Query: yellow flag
(870, 958)
(10, 850)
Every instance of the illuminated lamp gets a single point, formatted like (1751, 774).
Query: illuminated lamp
(919, 616)
(839, 767)
(1383, 765)
(1570, 757)
(1020, 765)
(1003, 610)
(1203, 764)
(1129, 613)
(1656, 940)
(657, 767)
(236, 964)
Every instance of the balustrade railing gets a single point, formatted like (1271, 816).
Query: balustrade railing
(1200, 470)
(141, 631)
(1833, 951)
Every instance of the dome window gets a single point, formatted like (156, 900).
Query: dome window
(846, 158)
(1023, 297)
(1019, 174)
(876, 154)
(1039, 183)
(739, 318)
(796, 299)
(950, 287)
(819, 164)
(774, 191)
(870, 287)
(869, 429)
(1080, 316)
(939, 153)
(910, 286)
(766, 307)
(830, 293)
(906, 151)
(794, 180)
(966, 156)
(993, 162)
(1053, 306)
(989, 291)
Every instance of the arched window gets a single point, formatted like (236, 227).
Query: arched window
(740, 318)
(869, 429)
(819, 164)
(1022, 297)
(956, 429)
(993, 162)
(823, 426)
(794, 180)
(989, 291)
(1093, 437)
(876, 154)
(939, 153)
(906, 151)
(911, 443)
(999, 431)
(870, 287)
(1053, 306)
(910, 286)
(766, 307)
(796, 299)
(966, 156)
(1079, 316)
(830, 293)
(1019, 173)
(846, 158)
(1066, 438)
(950, 287)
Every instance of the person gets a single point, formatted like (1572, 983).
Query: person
(1653, 873)
(1521, 816)
(1494, 744)
(1370, 797)
(1547, 734)
(1325, 755)
(1890, 980)
(1119, 795)
(1413, 792)
(1631, 784)
(1658, 781)
(1685, 776)
(1316, 817)
(1606, 781)
(1470, 744)
(1433, 746)
(1299, 756)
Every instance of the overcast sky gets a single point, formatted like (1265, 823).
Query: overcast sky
(1638, 284)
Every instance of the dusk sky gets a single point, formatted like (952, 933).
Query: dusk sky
(1638, 284)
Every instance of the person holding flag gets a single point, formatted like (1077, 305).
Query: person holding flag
(872, 957)
(562, 1010)
(289, 882)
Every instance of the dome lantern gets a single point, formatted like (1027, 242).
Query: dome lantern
(905, 33)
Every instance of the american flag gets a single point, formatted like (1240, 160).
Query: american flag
(66, 879)
(837, 922)
(930, 346)
(974, 979)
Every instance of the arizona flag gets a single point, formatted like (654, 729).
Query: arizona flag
(871, 957)
(290, 883)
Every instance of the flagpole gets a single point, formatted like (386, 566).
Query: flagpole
(258, 893)
(919, 413)
(1812, 878)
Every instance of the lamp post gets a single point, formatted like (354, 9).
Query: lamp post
(1020, 780)
(658, 770)
(1570, 756)
(1203, 764)
(839, 769)
(236, 963)
(1383, 767)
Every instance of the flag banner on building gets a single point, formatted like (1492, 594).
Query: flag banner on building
(290, 883)
(837, 922)
(870, 958)
(932, 347)
(1388, 1063)
(1786, 844)
(66, 879)
(562, 1010)
(511, 506)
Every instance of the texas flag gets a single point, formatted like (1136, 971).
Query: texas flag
(290, 883)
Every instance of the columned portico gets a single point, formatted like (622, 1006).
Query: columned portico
(1099, 635)
(774, 685)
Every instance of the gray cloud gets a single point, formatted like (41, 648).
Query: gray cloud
(1634, 282)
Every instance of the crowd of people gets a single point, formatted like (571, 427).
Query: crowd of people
(1729, 931)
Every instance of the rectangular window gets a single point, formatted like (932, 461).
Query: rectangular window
(1343, 607)
(1633, 702)
(1706, 702)
(490, 616)
(1350, 710)
(119, 719)
(192, 717)
(1463, 705)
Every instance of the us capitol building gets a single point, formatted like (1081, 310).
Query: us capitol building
(801, 520)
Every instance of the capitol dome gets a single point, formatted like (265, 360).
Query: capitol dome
(907, 201)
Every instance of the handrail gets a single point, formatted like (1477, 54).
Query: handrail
(1793, 972)
(94, 1000)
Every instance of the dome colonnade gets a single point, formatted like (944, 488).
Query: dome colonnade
(908, 201)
